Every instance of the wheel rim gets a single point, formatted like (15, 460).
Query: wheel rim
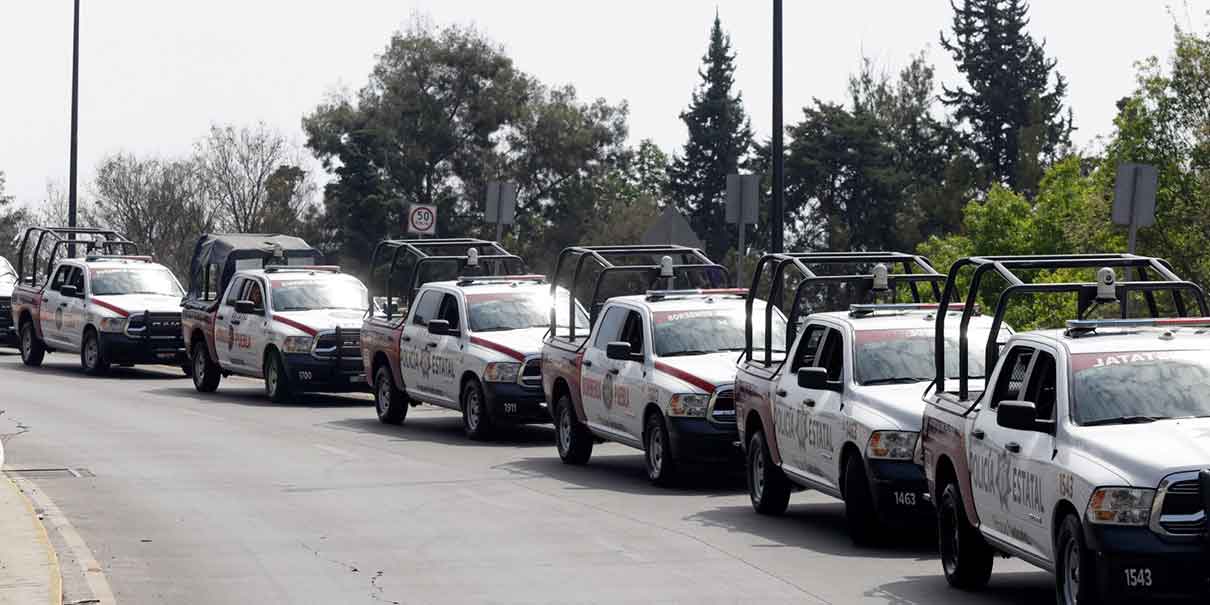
(271, 379)
(473, 409)
(199, 367)
(1071, 572)
(90, 353)
(27, 341)
(565, 429)
(950, 539)
(758, 475)
(655, 451)
(384, 397)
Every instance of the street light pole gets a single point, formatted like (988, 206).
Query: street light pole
(75, 111)
(779, 164)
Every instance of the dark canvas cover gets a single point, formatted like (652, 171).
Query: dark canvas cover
(225, 251)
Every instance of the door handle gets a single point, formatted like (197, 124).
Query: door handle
(614, 371)
(1013, 447)
(45, 299)
(218, 316)
(586, 363)
(407, 339)
(809, 403)
(235, 322)
(780, 393)
(62, 305)
(978, 434)
(432, 345)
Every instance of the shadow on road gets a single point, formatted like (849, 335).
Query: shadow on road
(1010, 588)
(626, 474)
(446, 428)
(114, 373)
(251, 396)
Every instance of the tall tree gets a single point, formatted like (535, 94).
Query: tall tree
(238, 164)
(1014, 103)
(11, 219)
(720, 138)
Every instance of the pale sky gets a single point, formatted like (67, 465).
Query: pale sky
(156, 73)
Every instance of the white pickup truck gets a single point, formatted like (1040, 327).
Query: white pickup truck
(1087, 453)
(8, 281)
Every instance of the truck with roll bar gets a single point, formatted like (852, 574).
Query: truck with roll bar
(1084, 453)
(86, 291)
(836, 406)
(654, 366)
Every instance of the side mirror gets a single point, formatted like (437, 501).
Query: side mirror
(245, 307)
(439, 327)
(618, 351)
(817, 378)
(68, 290)
(1018, 415)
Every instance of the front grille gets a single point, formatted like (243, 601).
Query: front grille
(155, 325)
(6, 313)
(349, 342)
(531, 374)
(1181, 511)
(723, 409)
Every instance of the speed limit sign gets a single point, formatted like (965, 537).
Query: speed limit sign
(422, 219)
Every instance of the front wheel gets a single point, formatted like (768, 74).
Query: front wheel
(205, 374)
(32, 348)
(859, 511)
(92, 357)
(573, 440)
(391, 402)
(476, 420)
(1075, 570)
(768, 487)
(965, 556)
(661, 467)
(277, 381)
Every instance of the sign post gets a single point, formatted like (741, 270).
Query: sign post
(743, 199)
(1134, 198)
(422, 219)
(501, 205)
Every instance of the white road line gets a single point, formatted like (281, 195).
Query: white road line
(335, 450)
(52, 516)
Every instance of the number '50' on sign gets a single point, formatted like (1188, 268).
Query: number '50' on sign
(422, 219)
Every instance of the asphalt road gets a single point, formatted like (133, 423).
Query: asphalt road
(226, 498)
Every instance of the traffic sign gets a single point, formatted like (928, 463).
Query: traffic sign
(422, 219)
(1134, 198)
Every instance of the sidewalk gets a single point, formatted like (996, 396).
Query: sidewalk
(29, 569)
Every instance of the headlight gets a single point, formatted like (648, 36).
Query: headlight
(688, 404)
(1120, 506)
(501, 371)
(113, 324)
(891, 445)
(297, 344)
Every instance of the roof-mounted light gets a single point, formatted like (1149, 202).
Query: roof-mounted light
(1086, 325)
(472, 257)
(869, 309)
(499, 279)
(653, 295)
(882, 281)
(666, 267)
(1107, 290)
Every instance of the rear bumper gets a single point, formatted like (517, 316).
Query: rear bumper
(699, 440)
(511, 402)
(120, 349)
(309, 374)
(1135, 563)
(899, 489)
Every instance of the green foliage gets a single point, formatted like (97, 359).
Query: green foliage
(11, 219)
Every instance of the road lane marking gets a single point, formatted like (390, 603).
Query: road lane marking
(335, 450)
(51, 514)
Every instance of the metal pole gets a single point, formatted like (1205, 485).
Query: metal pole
(779, 177)
(1134, 219)
(739, 264)
(499, 228)
(75, 111)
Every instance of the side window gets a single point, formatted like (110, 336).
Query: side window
(60, 278)
(831, 356)
(633, 332)
(449, 311)
(1010, 385)
(237, 288)
(1041, 387)
(808, 346)
(426, 307)
(77, 280)
(611, 327)
(255, 295)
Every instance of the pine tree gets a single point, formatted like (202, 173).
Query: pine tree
(1015, 114)
(720, 137)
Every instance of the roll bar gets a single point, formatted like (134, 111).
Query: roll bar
(430, 251)
(105, 241)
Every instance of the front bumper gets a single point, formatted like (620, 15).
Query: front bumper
(699, 440)
(1135, 563)
(511, 402)
(123, 349)
(8, 335)
(308, 374)
(899, 489)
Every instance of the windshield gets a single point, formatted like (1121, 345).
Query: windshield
(703, 331)
(890, 356)
(1145, 384)
(152, 280)
(501, 311)
(310, 294)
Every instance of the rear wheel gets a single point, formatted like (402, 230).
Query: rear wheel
(277, 381)
(965, 556)
(859, 504)
(661, 467)
(391, 402)
(476, 420)
(206, 374)
(768, 487)
(573, 441)
(92, 357)
(32, 349)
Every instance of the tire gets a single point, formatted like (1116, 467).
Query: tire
(860, 516)
(657, 451)
(206, 374)
(476, 418)
(768, 487)
(1076, 578)
(92, 356)
(277, 381)
(32, 348)
(391, 403)
(572, 439)
(965, 556)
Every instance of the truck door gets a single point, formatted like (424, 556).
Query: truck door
(446, 367)
(225, 324)
(628, 392)
(595, 375)
(251, 329)
(415, 358)
(1033, 473)
(54, 306)
(791, 415)
(991, 463)
(74, 312)
(825, 427)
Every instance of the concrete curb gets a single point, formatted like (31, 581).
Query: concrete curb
(29, 567)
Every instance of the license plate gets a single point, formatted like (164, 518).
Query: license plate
(166, 355)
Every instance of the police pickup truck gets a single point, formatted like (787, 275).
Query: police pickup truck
(655, 372)
(8, 281)
(295, 325)
(1087, 453)
(109, 308)
(841, 413)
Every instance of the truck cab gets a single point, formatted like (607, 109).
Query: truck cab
(8, 281)
(655, 371)
(838, 410)
(294, 324)
(1086, 454)
(110, 309)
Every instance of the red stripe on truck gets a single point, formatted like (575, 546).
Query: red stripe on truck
(487, 344)
(696, 381)
(111, 307)
(294, 324)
